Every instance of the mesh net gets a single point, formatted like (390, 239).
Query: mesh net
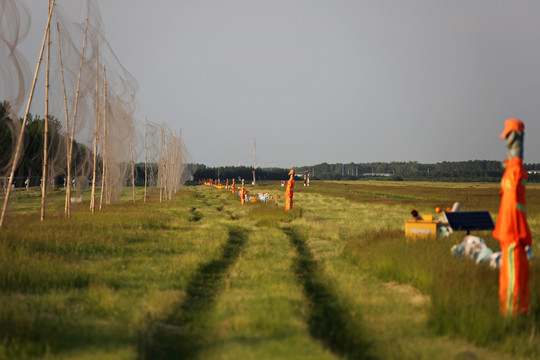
(93, 135)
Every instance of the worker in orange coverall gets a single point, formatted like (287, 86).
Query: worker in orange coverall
(512, 229)
(289, 190)
(243, 194)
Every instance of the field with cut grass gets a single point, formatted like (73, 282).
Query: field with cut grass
(201, 277)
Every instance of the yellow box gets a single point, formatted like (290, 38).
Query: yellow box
(421, 228)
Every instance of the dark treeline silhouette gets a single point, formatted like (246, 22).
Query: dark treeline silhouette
(201, 171)
(453, 171)
(30, 165)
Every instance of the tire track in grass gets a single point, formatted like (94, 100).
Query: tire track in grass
(183, 333)
(329, 318)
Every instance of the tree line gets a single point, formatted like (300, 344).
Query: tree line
(30, 165)
(452, 171)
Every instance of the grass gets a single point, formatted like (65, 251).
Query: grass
(202, 277)
(109, 270)
(331, 320)
(184, 331)
(464, 296)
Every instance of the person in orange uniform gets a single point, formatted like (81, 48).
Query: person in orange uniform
(243, 193)
(289, 190)
(512, 229)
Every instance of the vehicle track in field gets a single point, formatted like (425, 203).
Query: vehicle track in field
(182, 334)
(329, 317)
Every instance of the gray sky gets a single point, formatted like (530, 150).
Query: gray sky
(330, 81)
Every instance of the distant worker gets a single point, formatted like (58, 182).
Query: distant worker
(512, 229)
(289, 190)
(243, 195)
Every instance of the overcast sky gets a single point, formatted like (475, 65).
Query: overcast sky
(330, 81)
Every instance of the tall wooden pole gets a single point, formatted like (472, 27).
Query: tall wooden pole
(111, 188)
(145, 158)
(132, 167)
(104, 146)
(161, 170)
(96, 126)
(167, 167)
(68, 160)
(23, 125)
(46, 123)
(70, 150)
(96, 139)
(254, 158)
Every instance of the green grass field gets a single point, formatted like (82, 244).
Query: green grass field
(201, 277)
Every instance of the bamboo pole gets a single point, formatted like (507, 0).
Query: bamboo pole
(161, 171)
(167, 165)
(174, 164)
(145, 157)
(111, 189)
(167, 169)
(132, 167)
(104, 146)
(96, 100)
(68, 192)
(46, 122)
(23, 125)
(96, 140)
(68, 160)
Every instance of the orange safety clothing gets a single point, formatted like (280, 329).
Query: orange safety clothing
(512, 224)
(513, 280)
(243, 193)
(289, 191)
(513, 233)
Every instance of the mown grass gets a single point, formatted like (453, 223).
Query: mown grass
(71, 287)
(184, 331)
(271, 216)
(203, 277)
(262, 312)
(464, 296)
(329, 318)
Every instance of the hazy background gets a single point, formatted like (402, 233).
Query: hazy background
(329, 81)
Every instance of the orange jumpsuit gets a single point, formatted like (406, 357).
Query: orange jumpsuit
(243, 195)
(514, 234)
(289, 194)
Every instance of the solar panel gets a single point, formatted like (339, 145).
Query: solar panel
(470, 220)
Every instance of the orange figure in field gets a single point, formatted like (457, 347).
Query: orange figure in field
(243, 194)
(512, 229)
(289, 191)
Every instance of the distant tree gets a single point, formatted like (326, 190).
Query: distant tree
(31, 161)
